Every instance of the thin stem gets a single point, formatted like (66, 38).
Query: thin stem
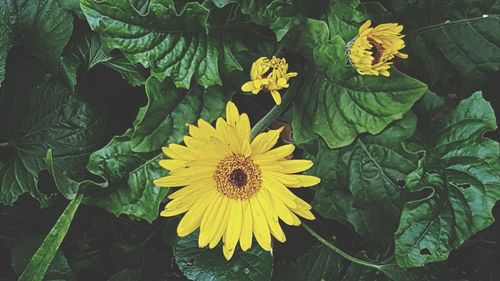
(273, 114)
(339, 251)
(4, 144)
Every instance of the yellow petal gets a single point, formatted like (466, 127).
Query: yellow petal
(228, 252)
(178, 206)
(271, 216)
(190, 190)
(248, 87)
(170, 164)
(276, 96)
(246, 226)
(265, 141)
(220, 223)
(232, 114)
(260, 227)
(365, 26)
(284, 212)
(233, 228)
(170, 181)
(192, 219)
(304, 213)
(208, 221)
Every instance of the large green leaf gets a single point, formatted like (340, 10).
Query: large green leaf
(362, 183)
(42, 259)
(23, 249)
(163, 120)
(439, 33)
(39, 113)
(210, 265)
(172, 43)
(336, 103)
(280, 16)
(130, 176)
(321, 263)
(4, 42)
(43, 27)
(86, 48)
(459, 179)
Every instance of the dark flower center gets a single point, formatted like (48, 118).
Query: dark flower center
(238, 178)
(376, 50)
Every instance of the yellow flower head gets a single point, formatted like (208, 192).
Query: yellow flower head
(234, 188)
(270, 76)
(373, 50)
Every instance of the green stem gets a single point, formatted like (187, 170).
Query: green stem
(339, 251)
(4, 144)
(273, 114)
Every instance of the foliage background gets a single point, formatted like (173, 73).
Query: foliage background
(91, 89)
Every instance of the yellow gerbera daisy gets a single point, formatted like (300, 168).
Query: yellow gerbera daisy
(373, 50)
(269, 75)
(234, 188)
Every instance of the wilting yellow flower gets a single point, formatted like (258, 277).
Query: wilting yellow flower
(373, 50)
(234, 188)
(270, 76)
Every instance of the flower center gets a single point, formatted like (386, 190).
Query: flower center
(237, 177)
(377, 50)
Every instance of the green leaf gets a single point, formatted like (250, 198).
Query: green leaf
(439, 34)
(39, 113)
(43, 27)
(318, 263)
(336, 103)
(321, 263)
(458, 180)
(206, 265)
(280, 16)
(127, 275)
(344, 18)
(130, 176)
(4, 42)
(163, 120)
(86, 48)
(172, 43)
(43, 257)
(23, 249)
(362, 183)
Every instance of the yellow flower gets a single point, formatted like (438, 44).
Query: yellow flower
(270, 76)
(373, 50)
(234, 188)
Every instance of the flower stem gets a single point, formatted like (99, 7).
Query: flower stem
(339, 251)
(273, 114)
(4, 144)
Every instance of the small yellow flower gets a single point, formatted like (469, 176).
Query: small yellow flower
(373, 50)
(234, 188)
(270, 76)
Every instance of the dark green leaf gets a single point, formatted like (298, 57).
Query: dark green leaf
(43, 27)
(458, 180)
(23, 249)
(363, 183)
(280, 16)
(172, 43)
(4, 42)
(127, 275)
(39, 113)
(439, 33)
(210, 265)
(163, 120)
(338, 104)
(41, 260)
(130, 176)
(87, 48)
(318, 263)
